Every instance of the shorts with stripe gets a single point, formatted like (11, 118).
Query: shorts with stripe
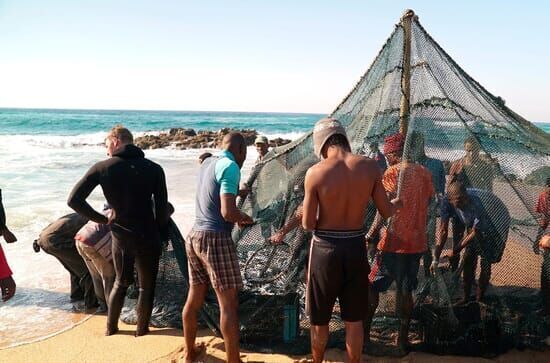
(338, 268)
(212, 259)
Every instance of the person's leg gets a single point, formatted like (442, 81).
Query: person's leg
(545, 281)
(406, 281)
(74, 263)
(484, 278)
(106, 271)
(430, 231)
(229, 322)
(353, 296)
(76, 293)
(195, 300)
(354, 340)
(198, 282)
(371, 309)
(319, 339)
(405, 317)
(124, 270)
(458, 233)
(325, 281)
(85, 253)
(381, 276)
(147, 265)
(470, 264)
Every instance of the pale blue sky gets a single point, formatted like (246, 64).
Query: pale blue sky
(287, 56)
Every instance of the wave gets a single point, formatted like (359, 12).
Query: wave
(96, 139)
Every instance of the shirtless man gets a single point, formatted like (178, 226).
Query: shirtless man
(337, 191)
(474, 170)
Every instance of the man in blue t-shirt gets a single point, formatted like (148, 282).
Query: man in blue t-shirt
(211, 253)
(474, 230)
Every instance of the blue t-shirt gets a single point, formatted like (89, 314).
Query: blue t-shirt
(218, 175)
(438, 173)
(473, 215)
(228, 174)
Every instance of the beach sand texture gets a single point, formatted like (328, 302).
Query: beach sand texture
(86, 342)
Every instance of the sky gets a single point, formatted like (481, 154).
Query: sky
(272, 56)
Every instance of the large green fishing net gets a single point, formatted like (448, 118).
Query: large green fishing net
(447, 110)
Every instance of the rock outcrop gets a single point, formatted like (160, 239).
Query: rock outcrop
(182, 138)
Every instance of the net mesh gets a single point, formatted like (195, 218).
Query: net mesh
(447, 108)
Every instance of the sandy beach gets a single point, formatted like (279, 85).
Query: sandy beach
(86, 343)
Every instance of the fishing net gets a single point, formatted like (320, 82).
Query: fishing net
(415, 87)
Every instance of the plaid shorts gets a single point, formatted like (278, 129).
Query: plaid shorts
(212, 258)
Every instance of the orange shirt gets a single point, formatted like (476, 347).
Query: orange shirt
(406, 232)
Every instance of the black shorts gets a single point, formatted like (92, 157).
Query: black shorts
(399, 267)
(338, 268)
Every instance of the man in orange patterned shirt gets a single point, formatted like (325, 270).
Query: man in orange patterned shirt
(404, 241)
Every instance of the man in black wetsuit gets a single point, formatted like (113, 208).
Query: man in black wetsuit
(135, 187)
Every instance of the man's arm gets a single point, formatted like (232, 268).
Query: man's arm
(4, 231)
(385, 208)
(229, 176)
(2, 215)
(311, 202)
(294, 221)
(162, 211)
(541, 208)
(442, 238)
(81, 191)
(230, 212)
(472, 233)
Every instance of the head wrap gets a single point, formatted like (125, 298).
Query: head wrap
(394, 143)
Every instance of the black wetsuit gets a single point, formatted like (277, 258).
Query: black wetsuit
(129, 182)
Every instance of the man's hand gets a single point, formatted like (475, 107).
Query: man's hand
(397, 203)
(536, 248)
(7, 287)
(111, 216)
(8, 236)
(434, 267)
(245, 220)
(243, 191)
(277, 238)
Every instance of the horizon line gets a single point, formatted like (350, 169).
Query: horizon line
(156, 110)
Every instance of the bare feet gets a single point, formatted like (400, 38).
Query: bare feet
(463, 301)
(110, 331)
(7, 288)
(194, 355)
(403, 344)
(142, 332)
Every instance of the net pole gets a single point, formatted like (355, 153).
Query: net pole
(404, 112)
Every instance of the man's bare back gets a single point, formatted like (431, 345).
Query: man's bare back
(341, 185)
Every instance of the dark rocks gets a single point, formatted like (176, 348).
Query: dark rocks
(278, 142)
(182, 138)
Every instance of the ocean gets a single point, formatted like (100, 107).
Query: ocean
(42, 155)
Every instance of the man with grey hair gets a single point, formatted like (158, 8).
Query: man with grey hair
(337, 192)
(135, 188)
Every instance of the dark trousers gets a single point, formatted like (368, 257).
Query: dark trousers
(130, 252)
(82, 286)
(545, 279)
(470, 262)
